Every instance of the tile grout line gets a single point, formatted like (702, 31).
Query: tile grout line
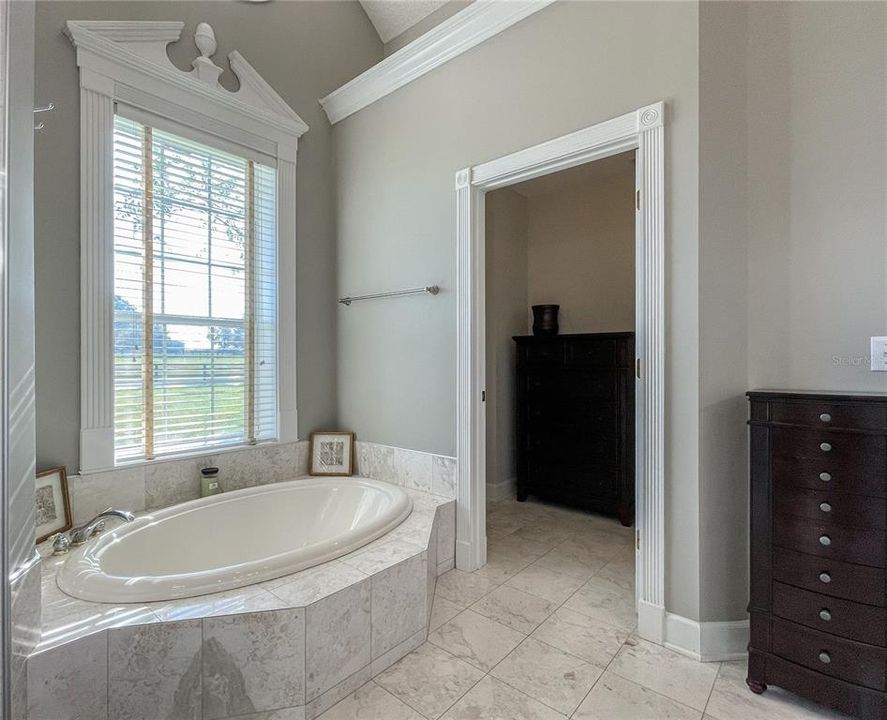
(712, 689)
(108, 676)
(559, 607)
(523, 692)
(594, 685)
(656, 692)
(387, 692)
(497, 586)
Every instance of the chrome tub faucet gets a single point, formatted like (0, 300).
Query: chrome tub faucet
(81, 534)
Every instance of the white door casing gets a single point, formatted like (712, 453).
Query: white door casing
(644, 131)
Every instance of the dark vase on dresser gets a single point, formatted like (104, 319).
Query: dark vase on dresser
(818, 548)
(575, 421)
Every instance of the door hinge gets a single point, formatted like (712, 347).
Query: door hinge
(637, 540)
(483, 395)
(637, 368)
(637, 200)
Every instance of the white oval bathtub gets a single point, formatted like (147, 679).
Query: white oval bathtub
(234, 539)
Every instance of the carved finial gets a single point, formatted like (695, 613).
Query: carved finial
(206, 69)
(205, 39)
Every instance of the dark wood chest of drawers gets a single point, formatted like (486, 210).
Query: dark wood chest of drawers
(818, 600)
(575, 421)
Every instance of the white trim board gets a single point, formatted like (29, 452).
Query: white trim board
(706, 641)
(469, 27)
(501, 490)
(643, 130)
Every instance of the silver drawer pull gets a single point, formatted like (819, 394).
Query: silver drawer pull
(825, 540)
(825, 507)
(825, 614)
(824, 657)
(825, 447)
(824, 577)
(825, 417)
(825, 477)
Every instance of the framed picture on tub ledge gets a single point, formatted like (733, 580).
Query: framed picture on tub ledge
(332, 453)
(53, 503)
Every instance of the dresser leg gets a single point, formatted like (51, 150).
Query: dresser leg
(755, 686)
(521, 495)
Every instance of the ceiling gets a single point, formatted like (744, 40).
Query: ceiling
(615, 168)
(392, 17)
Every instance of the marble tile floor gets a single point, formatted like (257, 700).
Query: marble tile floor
(546, 631)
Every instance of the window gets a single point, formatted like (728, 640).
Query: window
(187, 247)
(195, 296)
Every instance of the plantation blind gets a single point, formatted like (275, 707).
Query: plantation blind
(195, 296)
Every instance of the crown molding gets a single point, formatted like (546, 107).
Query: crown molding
(476, 23)
(127, 31)
(133, 53)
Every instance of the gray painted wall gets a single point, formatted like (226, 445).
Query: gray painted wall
(546, 76)
(305, 50)
(581, 253)
(817, 133)
(723, 284)
(507, 309)
(793, 242)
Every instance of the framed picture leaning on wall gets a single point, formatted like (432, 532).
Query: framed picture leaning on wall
(53, 503)
(332, 453)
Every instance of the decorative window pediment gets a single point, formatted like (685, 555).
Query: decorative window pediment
(125, 71)
(133, 55)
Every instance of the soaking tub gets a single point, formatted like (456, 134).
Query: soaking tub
(234, 539)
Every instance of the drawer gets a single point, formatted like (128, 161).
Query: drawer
(588, 353)
(823, 505)
(575, 447)
(844, 618)
(599, 454)
(592, 385)
(596, 417)
(839, 542)
(824, 415)
(848, 698)
(827, 460)
(548, 354)
(574, 483)
(860, 583)
(848, 660)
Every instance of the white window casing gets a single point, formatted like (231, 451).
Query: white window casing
(124, 66)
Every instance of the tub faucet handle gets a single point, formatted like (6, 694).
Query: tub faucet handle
(80, 535)
(60, 544)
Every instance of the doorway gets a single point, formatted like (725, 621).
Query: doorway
(560, 379)
(641, 131)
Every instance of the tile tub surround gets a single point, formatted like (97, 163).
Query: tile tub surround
(501, 650)
(407, 468)
(25, 613)
(162, 483)
(284, 649)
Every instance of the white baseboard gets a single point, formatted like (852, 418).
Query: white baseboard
(706, 641)
(501, 490)
(466, 559)
(651, 622)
